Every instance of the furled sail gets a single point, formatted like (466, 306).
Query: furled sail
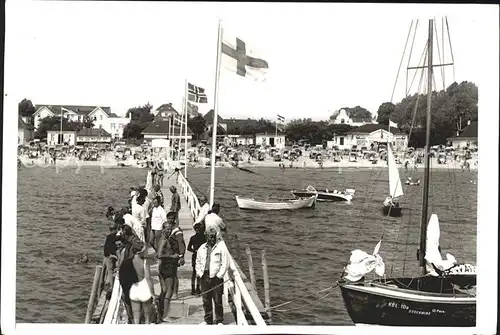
(395, 188)
(361, 263)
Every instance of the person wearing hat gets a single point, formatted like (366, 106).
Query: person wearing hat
(175, 205)
(194, 244)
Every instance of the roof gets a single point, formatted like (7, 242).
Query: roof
(23, 125)
(94, 132)
(234, 126)
(161, 126)
(82, 110)
(112, 115)
(470, 131)
(209, 117)
(371, 127)
(166, 109)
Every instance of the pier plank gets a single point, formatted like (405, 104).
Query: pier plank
(187, 309)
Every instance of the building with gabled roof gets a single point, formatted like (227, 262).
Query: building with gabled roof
(24, 132)
(368, 134)
(468, 137)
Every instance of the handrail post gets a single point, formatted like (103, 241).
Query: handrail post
(267, 295)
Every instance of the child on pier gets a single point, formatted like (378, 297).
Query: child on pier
(194, 244)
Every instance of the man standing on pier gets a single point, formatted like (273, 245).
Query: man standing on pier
(212, 263)
(205, 208)
(213, 220)
(175, 206)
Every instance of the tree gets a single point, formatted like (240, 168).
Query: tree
(197, 125)
(141, 117)
(26, 108)
(141, 113)
(54, 123)
(384, 112)
(358, 112)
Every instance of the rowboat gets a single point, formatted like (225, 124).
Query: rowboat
(325, 195)
(250, 203)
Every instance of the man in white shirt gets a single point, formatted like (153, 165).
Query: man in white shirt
(205, 208)
(213, 220)
(158, 218)
(212, 263)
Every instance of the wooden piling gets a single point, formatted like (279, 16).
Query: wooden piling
(250, 266)
(102, 278)
(93, 293)
(267, 295)
(238, 256)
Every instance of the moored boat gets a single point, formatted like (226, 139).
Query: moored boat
(250, 203)
(325, 194)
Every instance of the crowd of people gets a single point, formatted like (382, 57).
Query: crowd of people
(145, 232)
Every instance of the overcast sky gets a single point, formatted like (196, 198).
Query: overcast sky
(321, 56)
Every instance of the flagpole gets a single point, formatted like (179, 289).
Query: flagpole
(60, 129)
(276, 134)
(185, 128)
(216, 105)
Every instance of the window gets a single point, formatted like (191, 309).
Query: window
(342, 121)
(112, 126)
(341, 140)
(100, 117)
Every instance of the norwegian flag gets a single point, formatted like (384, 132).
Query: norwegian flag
(197, 94)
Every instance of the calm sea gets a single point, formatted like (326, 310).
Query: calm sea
(61, 217)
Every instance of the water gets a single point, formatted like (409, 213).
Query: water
(306, 249)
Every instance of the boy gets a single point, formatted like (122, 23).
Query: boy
(110, 254)
(194, 243)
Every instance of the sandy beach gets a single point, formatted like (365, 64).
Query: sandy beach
(110, 162)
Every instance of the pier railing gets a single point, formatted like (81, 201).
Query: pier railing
(234, 287)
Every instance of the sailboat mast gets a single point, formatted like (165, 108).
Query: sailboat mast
(423, 222)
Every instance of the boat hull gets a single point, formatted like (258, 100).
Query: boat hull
(324, 196)
(247, 203)
(367, 305)
(392, 211)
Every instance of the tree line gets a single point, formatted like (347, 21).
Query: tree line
(452, 108)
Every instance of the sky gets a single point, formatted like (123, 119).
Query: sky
(321, 56)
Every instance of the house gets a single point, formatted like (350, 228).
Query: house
(368, 134)
(342, 117)
(94, 136)
(160, 129)
(166, 110)
(468, 137)
(209, 121)
(24, 132)
(64, 136)
(271, 138)
(239, 140)
(101, 117)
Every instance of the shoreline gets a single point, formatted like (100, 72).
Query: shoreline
(310, 164)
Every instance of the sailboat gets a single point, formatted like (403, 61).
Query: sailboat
(391, 204)
(442, 295)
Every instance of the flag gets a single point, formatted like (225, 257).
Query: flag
(280, 118)
(237, 56)
(393, 124)
(196, 94)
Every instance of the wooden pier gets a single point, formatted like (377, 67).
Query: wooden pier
(241, 303)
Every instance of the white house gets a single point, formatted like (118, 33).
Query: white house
(160, 129)
(24, 132)
(271, 139)
(368, 134)
(57, 137)
(94, 136)
(342, 117)
(101, 117)
(468, 137)
(239, 140)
